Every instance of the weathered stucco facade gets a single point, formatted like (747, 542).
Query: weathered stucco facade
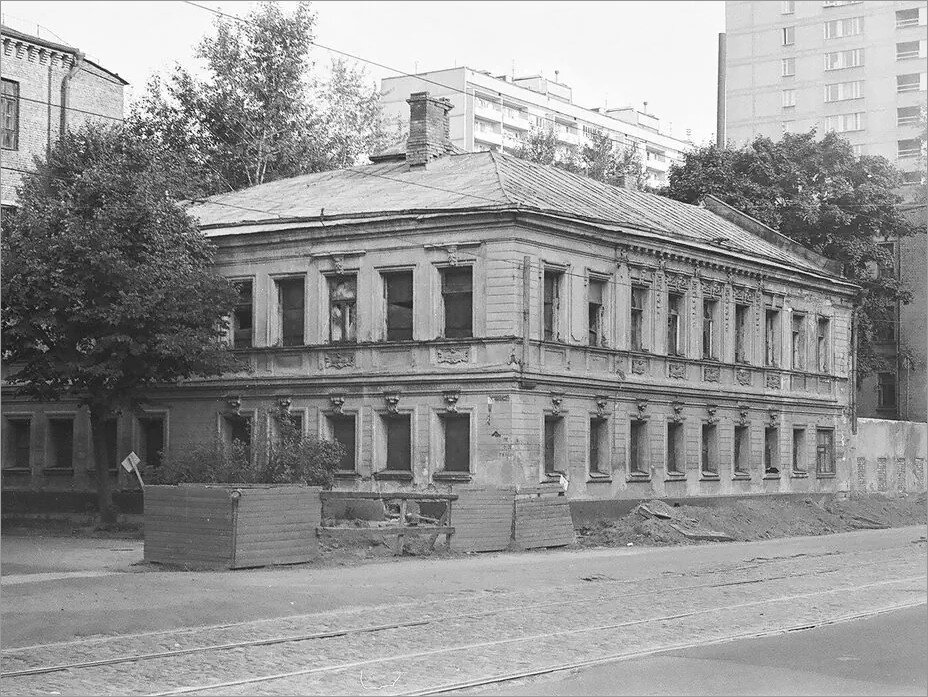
(634, 360)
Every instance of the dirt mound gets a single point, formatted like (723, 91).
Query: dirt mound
(656, 523)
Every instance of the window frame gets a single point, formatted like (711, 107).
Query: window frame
(445, 419)
(637, 317)
(280, 318)
(676, 331)
(551, 329)
(51, 451)
(772, 464)
(830, 464)
(445, 294)
(675, 449)
(798, 342)
(823, 344)
(387, 276)
(788, 64)
(741, 451)
(772, 338)
(709, 450)
(11, 445)
(639, 450)
(798, 463)
(887, 384)
(235, 330)
(710, 329)
(347, 322)
(387, 419)
(742, 349)
(10, 100)
(138, 434)
(597, 326)
(788, 35)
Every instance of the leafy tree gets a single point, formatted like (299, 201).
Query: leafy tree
(259, 113)
(818, 193)
(106, 282)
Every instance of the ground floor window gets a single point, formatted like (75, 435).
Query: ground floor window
(16, 443)
(399, 442)
(637, 449)
(554, 426)
(710, 449)
(456, 428)
(825, 451)
(599, 446)
(237, 431)
(342, 431)
(742, 450)
(771, 451)
(676, 453)
(60, 451)
(111, 443)
(151, 440)
(799, 448)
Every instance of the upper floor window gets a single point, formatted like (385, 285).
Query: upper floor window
(243, 316)
(709, 329)
(908, 18)
(788, 36)
(821, 344)
(343, 298)
(907, 115)
(397, 290)
(771, 337)
(911, 82)
(788, 67)
(908, 147)
(840, 91)
(788, 7)
(674, 326)
(552, 303)
(836, 60)
(457, 296)
(9, 115)
(788, 98)
(908, 49)
(636, 317)
(741, 323)
(596, 292)
(886, 390)
(798, 342)
(290, 310)
(840, 3)
(837, 28)
(842, 123)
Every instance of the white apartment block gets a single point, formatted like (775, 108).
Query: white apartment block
(496, 112)
(857, 68)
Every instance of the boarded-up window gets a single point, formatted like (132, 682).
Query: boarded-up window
(638, 444)
(676, 453)
(741, 327)
(771, 337)
(458, 300)
(709, 340)
(243, 316)
(742, 455)
(599, 445)
(399, 442)
(16, 440)
(710, 449)
(886, 390)
(397, 287)
(553, 444)
(674, 327)
(799, 449)
(595, 306)
(342, 428)
(825, 451)
(457, 442)
(771, 450)
(60, 451)
(799, 341)
(151, 440)
(552, 304)
(638, 300)
(343, 297)
(290, 309)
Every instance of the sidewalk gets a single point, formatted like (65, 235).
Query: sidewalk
(31, 557)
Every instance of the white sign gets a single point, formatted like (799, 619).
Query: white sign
(131, 462)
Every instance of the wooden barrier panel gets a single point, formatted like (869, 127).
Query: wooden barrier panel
(482, 520)
(543, 522)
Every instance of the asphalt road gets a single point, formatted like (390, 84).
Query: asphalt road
(881, 655)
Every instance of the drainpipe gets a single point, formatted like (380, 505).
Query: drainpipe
(65, 84)
(526, 305)
(852, 388)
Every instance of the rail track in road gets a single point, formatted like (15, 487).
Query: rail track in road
(403, 632)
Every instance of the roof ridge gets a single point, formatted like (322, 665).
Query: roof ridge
(499, 178)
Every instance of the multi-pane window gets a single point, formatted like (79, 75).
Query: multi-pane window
(908, 83)
(638, 447)
(913, 177)
(886, 390)
(841, 91)
(399, 442)
(741, 324)
(710, 347)
(554, 434)
(907, 18)
(771, 450)
(822, 327)
(457, 294)
(788, 67)
(825, 451)
(799, 448)
(60, 451)
(908, 147)
(636, 323)
(595, 311)
(343, 302)
(709, 461)
(907, 115)
(290, 310)
(243, 316)
(674, 327)
(798, 341)
(788, 36)
(342, 431)
(907, 49)
(675, 449)
(552, 303)
(599, 445)
(9, 115)
(457, 442)
(16, 441)
(842, 123)
(837, 60)
(788, 98)
(742, 454)
(836, 28)
(397, 290)
(151, 440)
(771, 337)
(884, 324)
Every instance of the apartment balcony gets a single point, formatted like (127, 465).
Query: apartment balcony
(512, 141)
(483, 110)
(517, 120)
(492, 137)
(568, 137)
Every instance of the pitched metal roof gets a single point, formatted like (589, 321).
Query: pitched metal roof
(485, 180)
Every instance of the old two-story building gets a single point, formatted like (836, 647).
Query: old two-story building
(472, 318)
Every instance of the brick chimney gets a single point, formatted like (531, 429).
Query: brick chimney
(429, 132)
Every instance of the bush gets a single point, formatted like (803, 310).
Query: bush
(291, 458)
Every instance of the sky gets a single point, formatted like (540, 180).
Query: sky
(610, 53)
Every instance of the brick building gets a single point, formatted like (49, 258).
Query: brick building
(47, 88)
(472, 317)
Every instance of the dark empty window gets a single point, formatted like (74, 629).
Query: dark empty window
(111, 452)
(771, 337)
(638, 301)
(675, 449)
(599, 445)
(342, 428)
(9, 115)
(399, 442)
(710, 347)
(638, 444)
(674, 326)
(60, 453)
(290, 303)
(709, 461)
(343, 297)
(552, 304)
(457, 442)
(742, 449)
(799, 341)
(825, 451)
(741, 328)
(553, 435)
(771, 450)
(595, 304)
(886, 390)
(17, 443)
(237, 429)
(397, 288)
(243, 316)
(799, 448)
(457, 294)
(151, 440)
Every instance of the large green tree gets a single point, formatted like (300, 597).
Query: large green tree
(106, 282)
(818, 193)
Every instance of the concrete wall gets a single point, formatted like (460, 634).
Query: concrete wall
(887, 456)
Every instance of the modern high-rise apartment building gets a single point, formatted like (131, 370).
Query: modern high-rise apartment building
(496, 112)
(857, 68)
